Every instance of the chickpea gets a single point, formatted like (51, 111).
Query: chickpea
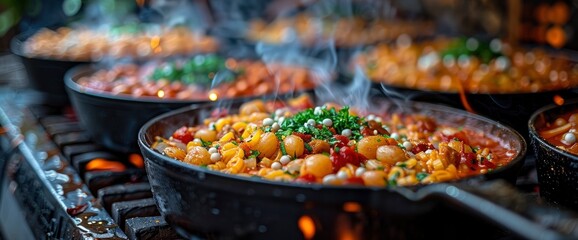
(367, 146)
(294, 146)
(317, 164)
(374, 178)
(206, 135)
(390, 154)
(198, 156)
(559, 122)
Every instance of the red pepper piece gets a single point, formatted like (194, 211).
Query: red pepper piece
(183, 134)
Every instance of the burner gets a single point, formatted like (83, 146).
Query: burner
(61, 185)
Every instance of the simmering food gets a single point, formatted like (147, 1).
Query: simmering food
(83, 44)
(296, 142)
(562, 132)
(345, 31)
(469, 65)
(201, 77)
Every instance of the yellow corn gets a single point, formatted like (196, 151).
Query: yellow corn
(222, 122)
(227, 137)
(238, 126)
(272, 175)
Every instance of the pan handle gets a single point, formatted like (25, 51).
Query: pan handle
(500, 203)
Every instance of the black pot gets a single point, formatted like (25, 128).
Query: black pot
(113, 121)
(44, 75)
(557, 169)
(194, 199)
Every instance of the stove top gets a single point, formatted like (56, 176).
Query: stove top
(55, 183)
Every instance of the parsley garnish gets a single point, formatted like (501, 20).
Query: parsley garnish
(420, 176)
(341, 120)
(254, 153)
(308, 147)
(205, 143)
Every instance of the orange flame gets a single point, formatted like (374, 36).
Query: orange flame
(307, 226)
(559, 100)
(101, 164)
(136, 160)
(351, 207)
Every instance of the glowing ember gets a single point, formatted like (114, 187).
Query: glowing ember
(136, 160)
(161, 93)
(101, 164)
(351, 207)
(213, 96)
(307, 226)
(559, 100)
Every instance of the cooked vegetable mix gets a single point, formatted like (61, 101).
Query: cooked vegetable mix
(562, 132)
(297, 142)
(470, 65)
(201, 77)
(136, 41)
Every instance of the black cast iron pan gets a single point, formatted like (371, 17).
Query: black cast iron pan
(557, 169)
(44, 74)
(193, 199)
(113, 121)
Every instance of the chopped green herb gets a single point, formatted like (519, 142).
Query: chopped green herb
(341, 120)
(282, 147)
(308, 147)
(420, 176)
(205, 143)
(254, 153)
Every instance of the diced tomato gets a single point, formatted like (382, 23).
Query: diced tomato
(342, 141)
(182, 134)
(366, 131)
(344, 156)
(487, 164)
(307, 178)
(469, 159)
(354, 181)
(461, 136)
(304, 136)
(420, 147)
